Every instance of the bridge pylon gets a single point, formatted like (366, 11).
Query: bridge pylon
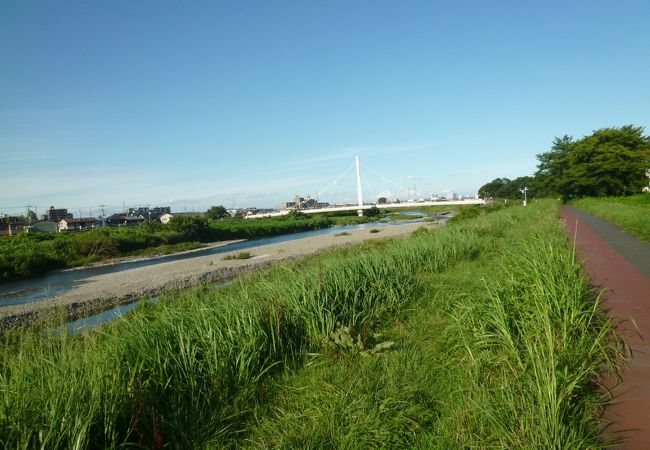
(359, 195)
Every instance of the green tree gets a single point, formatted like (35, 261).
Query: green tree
(507, 188)
(611, 161)
(190, 228)
(294, 214)
(371, 212)
(382, 200)
(217, 212)
(496, 188)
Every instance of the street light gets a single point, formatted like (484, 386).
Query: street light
(524, 191)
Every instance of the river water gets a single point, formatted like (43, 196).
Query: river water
(59, 281)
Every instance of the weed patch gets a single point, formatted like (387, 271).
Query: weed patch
(240, 255)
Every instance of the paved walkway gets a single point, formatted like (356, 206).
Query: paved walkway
(620, 262)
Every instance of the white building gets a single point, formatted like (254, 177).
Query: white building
(82, 223)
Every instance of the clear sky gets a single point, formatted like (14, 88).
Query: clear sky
(192, 104)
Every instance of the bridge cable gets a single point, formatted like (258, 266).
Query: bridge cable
(385, 179)
(320, 191)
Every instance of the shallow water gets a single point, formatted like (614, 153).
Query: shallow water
(97, 320)
(104, 317)
(57, 282)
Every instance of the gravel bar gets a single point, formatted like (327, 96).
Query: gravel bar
(107, 291)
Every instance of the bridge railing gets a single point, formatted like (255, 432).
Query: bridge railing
(368, 206)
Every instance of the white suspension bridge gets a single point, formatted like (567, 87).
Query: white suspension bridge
(360, 206)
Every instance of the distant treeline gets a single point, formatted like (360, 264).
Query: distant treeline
(34, 254)
(609, 162)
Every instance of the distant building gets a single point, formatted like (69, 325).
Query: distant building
(190, 214)
(149, 213)
(45, 226)
(120, 220)
(18, 228)
(82, 223)
(302, 203)
(10, 226)
(311, 203)
(56, 215)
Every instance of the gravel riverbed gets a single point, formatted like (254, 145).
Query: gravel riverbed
(106, 291)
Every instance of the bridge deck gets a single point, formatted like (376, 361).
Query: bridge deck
(368, 206)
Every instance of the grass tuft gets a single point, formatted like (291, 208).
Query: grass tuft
(630, 213)
(240, 255)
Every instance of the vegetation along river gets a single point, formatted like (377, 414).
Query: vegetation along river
(56, 283)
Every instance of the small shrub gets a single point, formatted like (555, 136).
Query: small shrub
(240, 255)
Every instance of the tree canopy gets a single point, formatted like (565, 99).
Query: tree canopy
(505, 187)
(609, 162)
(217, 212)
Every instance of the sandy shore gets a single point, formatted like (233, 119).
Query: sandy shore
(107, 291)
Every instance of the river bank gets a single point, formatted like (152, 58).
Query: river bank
(133, 259)
(102, 292)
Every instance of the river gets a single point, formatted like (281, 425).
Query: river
(60, 281)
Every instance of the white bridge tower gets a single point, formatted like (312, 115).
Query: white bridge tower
(359, 196)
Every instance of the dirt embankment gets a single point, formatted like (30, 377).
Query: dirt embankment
(102, 292)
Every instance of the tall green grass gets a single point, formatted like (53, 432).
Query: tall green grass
(190, 369)
(503, 351)
(630, 213)
(535, 345)
(492, 348)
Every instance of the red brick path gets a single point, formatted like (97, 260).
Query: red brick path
(627, 298)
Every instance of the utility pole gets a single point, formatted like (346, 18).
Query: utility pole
(29, 218)
(359, 195)
(103, 216)
(525, 192)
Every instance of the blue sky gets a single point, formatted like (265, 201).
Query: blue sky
(201, 103)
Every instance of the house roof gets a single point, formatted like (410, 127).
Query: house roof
(79, 220)
(116, 217)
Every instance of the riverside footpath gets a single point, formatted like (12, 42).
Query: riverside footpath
(620, 263)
